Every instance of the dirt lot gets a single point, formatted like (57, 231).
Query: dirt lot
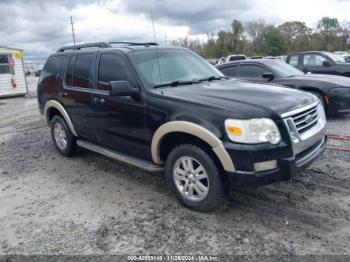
(90, 204)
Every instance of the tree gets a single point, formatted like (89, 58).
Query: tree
(329, 28)
(237, 31)
(274, 42)
(255, 30)
(297, 34)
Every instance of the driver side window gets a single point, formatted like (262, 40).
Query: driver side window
(314, 60)
(251, 71)
(113, 68)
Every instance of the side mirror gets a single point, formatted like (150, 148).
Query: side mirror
(268, 76)
(326, 63)
(122, 88)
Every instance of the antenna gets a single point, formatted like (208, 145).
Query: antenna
(155, 40)
(72, 24)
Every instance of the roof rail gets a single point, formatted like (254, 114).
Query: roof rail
(132, 43)
(81, 46)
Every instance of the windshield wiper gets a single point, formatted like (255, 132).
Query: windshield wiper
(211, 78)
(177, 83)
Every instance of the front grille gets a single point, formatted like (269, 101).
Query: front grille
(305, 120)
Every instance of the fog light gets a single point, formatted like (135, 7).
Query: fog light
(267, 165)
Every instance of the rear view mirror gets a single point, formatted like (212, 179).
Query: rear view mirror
(268, 75)
(326, 63)
(122, 88)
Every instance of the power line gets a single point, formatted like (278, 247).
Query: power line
(73, 34)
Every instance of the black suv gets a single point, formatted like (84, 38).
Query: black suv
(166, 108)
(319, 63)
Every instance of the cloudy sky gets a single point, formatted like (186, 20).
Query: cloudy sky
(40, 27)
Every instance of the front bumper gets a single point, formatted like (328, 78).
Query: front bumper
(287, 167)
(339, 104)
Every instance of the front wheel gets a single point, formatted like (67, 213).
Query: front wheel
(194, 178)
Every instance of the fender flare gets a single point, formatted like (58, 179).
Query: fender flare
(54, 104)
(195, 130)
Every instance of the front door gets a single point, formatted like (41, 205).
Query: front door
(314, 63)
(119, 121)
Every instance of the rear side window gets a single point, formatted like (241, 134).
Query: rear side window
(4, 64)
(232, 71)
(51, 70)
(81, 75)
(113, 68)
(251, 71)
(294, 60)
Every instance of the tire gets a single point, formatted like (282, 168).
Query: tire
(63, 139)
(320, 97)
(199, 200)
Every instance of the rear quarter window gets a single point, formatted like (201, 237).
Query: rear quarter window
(51, 70)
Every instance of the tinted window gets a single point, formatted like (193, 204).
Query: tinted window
(113, 68)
(313, 60)
(237, 57)
(251, 71)
(81, 76)
(294, 60)
(51, 70)
(230, 71)
(4, 64)
(70, 69)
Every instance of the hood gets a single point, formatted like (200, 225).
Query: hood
(328, 80)
(247, 98)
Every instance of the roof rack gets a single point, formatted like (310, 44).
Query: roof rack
(81, 46)
(101, 45)
(132, 43)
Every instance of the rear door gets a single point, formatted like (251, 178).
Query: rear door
(77, 93)
(120, 121)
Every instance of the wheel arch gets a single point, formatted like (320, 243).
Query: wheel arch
(56, 106)
(195, 130)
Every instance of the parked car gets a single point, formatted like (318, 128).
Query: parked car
(236, 57)
(167, 109)
(333, 91)
(319, 63)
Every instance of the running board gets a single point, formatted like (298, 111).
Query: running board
(145, 165)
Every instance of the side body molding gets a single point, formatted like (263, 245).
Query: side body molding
(60, 108)
(195, 130)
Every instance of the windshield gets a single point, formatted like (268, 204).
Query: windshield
(283, 69)
(159, 67)
(335, 57)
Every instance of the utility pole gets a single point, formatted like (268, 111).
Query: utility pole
(71, 22)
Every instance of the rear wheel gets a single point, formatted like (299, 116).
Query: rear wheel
(63, 139)
(194, 178)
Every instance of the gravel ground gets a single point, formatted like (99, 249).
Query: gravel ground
(89, 204)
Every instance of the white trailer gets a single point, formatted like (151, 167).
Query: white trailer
(12, 76)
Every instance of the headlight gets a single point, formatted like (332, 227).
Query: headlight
(252, 131)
